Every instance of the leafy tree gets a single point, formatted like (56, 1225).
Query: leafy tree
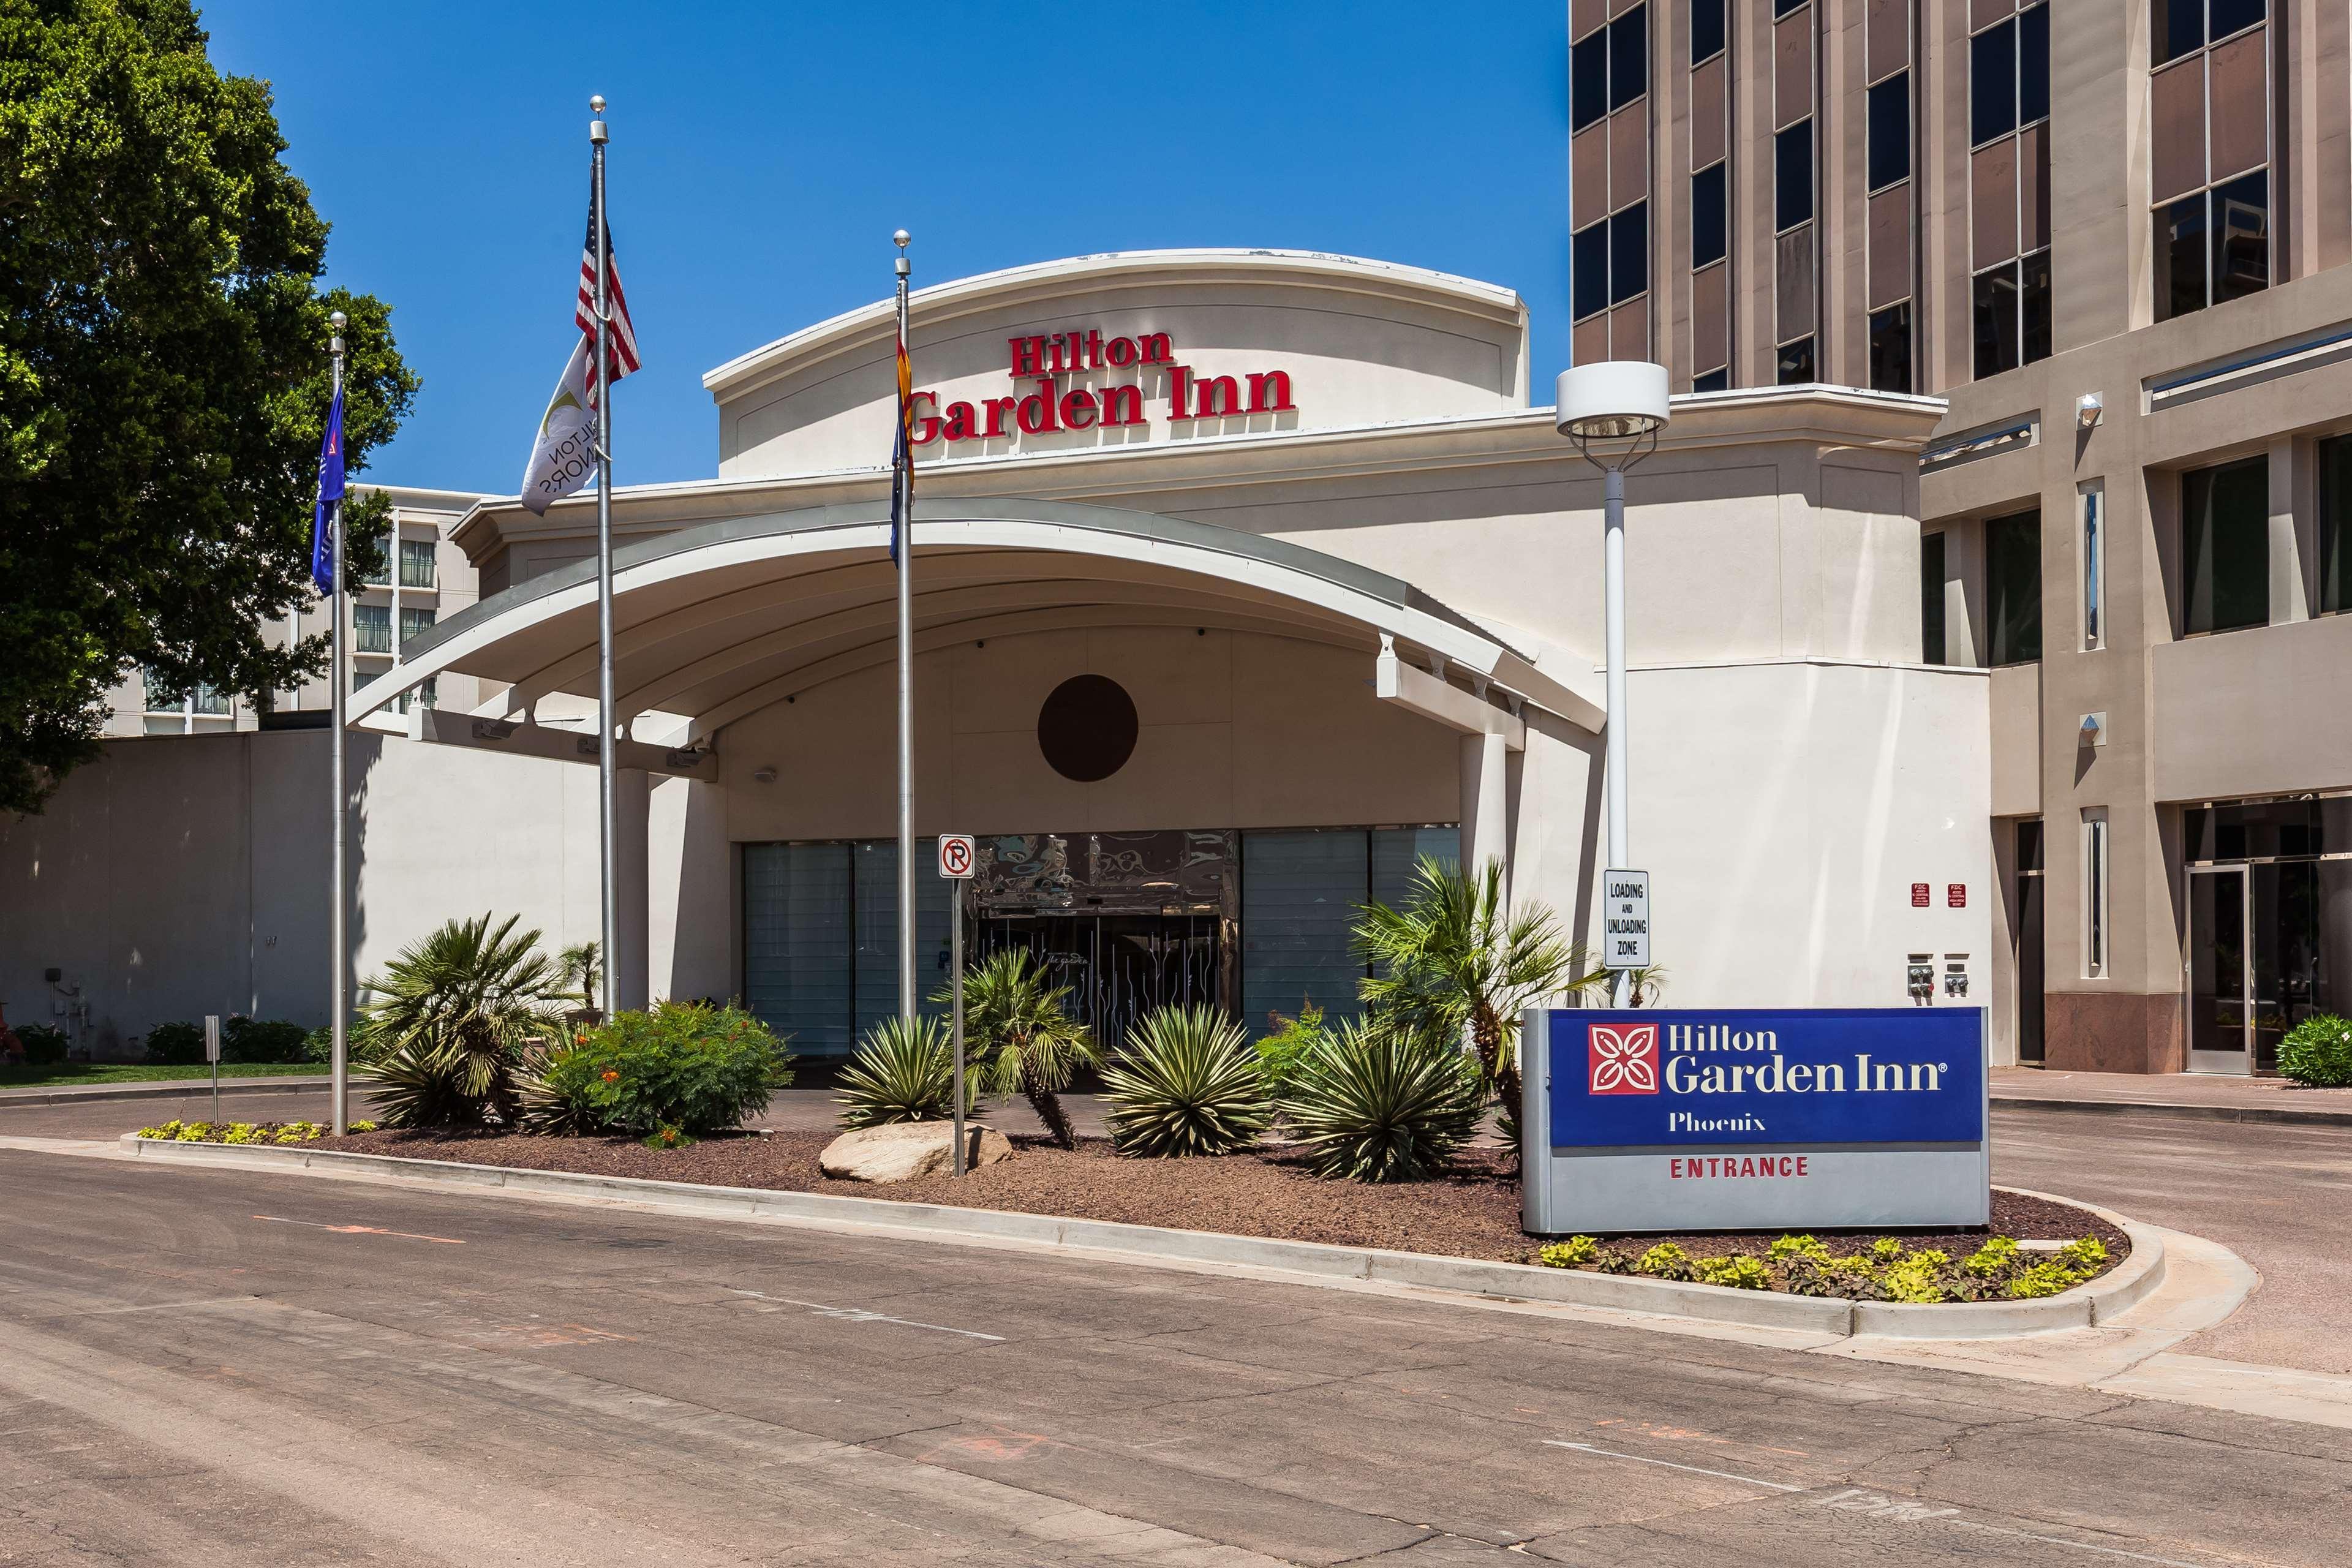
(163, 377)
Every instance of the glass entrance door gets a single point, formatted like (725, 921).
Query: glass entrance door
(2221, 978)
(1119, 967)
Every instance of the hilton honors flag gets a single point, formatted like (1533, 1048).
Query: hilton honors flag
(563, 453)
(330, 496)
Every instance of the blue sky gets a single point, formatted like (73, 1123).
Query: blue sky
(762, 153)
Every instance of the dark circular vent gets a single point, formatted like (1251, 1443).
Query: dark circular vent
(1086, 727)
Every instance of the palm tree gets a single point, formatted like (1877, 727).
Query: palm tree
(580, 967)
(1455, 959)
(457, 1017)
(1018, 1024)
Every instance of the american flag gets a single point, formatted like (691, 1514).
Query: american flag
(625, 336)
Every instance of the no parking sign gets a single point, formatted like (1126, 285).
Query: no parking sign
(956, 856)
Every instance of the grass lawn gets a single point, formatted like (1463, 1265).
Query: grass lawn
(120, 1072)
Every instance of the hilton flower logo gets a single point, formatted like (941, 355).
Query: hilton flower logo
(1624, 1058)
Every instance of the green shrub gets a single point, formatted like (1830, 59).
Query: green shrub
(318, 1044)
(456, 1024)
(1576, 1252)
(1996, 1256)
(1734, 1273)
(1187, 1084)
(1666, 1261)
(2317, 1052)
(1918, 1276)
(45, 1043)
(1382, 1103)
(684, 1066)
(261, 1040)
(1788, 1247)
(902, 1072)
(179, 1044)
(1282, 1053)
(241, 1132)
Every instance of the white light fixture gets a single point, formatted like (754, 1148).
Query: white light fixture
(1611, 399)
(2089, 408)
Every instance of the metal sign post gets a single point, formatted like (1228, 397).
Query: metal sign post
(956, 862)
(212, 1054)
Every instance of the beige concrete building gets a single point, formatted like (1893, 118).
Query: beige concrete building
(2112, 237)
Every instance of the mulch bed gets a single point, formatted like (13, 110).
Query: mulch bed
(1474, 1212)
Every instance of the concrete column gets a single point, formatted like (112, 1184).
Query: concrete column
(2287, 552)
(632, 965)
(1486, 804)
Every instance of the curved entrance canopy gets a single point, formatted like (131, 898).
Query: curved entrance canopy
(717, 621)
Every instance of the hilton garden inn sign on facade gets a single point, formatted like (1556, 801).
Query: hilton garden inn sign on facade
(1243, 579)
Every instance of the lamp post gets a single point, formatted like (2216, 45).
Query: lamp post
(1608, 408)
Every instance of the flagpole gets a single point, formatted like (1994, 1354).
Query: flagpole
(338, 925)
(905, 480)
(607, 801)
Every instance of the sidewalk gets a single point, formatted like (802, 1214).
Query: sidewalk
(160, 1088)
(2201, 1095)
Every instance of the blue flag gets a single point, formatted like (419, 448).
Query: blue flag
(330, 494)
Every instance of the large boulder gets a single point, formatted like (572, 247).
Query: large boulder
(903, 1151)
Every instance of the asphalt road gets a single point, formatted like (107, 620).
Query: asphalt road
(217, 1366)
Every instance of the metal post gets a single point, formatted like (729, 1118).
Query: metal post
(212, 1054)
(339, 966)
(1613, 611)
(955, 961)
(607, 784)
(907, 1000)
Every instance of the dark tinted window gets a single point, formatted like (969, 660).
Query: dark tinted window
(2335, 524)
(1713, 381)
(1629, 253)
(1797, 364)
(2241, 237)
(1792, 176)
(2029, 845)
(2231, 16)
(1707, 216)
(2033, 302)
(2177, 26)
(1993, 83)
(1782, 7)
(1890, 347)
(2014, 586)
(1705, 29)
(2180, 256)
(1890, 131)
(2033, 65)
(2225, 556)
(1588, 265)
(1628, 57)
(1588, 81)
(1996, 322)
(1931, 599)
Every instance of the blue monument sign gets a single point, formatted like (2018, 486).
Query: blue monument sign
(1755, 1119)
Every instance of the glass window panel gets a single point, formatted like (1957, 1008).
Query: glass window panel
(2014, 586)
(2235, 16)
(1629, 253)
(1792, 175)
(1588, 270)
(1796, 367)
(209, 700)
(2287, 954)
(2336, 525)
(1890, 347)
(1713, 381)
(875, 863)
(2241, 237)
(2033, 308)
(2033, 65)
(2225, 546)
(2217, 961)
(1396, 851)
(1993, 83)
(1782, 7)
(416, 562)
(2029, 845)
(2181, 257)
(414, 622)
(2093, 597)
(1705, 29)
(1890, 131)
(2031, 1043)
(1588, 72)
(1931, 599)
(1996, 320)
(1628, 57)
(1710, 220)
(2176, 26)
(1301, 892)
(796, 944)
(372, 628)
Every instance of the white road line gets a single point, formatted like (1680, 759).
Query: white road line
(860, 1315)
(1670, 1465)
(362, 1230)
(2077, 1545)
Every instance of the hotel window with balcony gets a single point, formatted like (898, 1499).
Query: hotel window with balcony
(2009, 186)
(2210, 151)
(416, 562)
(2225, 547)
(2012, 546)
(1609, 189)
(1890, 222)
(1710, 196)
(1795, 235)
(372, 628)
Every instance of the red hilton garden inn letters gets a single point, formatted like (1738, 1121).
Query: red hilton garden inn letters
(1043, 357)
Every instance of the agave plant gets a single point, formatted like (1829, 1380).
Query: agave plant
(1455, 958)
(1187, 1084)
(453, 1026)
(1385, 1103)
(1022, 1040)
(901, 1072)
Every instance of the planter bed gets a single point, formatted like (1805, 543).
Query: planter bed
(1475, 1212)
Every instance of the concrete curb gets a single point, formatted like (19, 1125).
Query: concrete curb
(2273, 1114)
(164, 1089)
(1827, 1316)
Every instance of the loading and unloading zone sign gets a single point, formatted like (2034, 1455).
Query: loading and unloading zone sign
(1625, 920)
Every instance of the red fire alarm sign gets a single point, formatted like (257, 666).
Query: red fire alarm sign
(1919, 899)
(1956, 895)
